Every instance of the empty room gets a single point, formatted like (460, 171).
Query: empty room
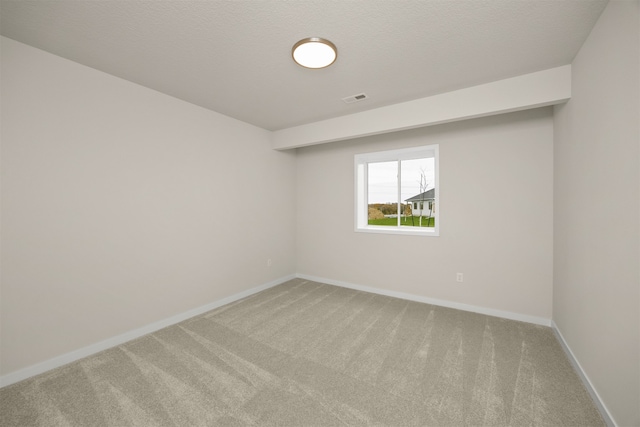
(319, 213)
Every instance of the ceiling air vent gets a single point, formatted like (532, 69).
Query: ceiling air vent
(354, 98)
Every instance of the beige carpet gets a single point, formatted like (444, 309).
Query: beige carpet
(310, 354)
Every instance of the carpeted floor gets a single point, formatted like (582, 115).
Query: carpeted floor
(310, 354)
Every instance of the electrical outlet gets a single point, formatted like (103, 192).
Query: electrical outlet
(459, 277)
(269, 262)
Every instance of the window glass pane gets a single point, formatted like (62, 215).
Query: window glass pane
(418, 183)
(396, 191)
(382, 193)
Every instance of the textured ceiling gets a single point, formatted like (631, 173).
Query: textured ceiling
(234, 57)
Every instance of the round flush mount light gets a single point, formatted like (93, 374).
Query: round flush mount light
(314, 52)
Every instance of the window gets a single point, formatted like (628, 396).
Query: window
(397, 191)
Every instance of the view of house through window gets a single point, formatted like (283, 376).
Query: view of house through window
(397, 189)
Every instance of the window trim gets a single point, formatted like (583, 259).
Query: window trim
(361, 184)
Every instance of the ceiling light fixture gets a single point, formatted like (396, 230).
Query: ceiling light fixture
(314, 52)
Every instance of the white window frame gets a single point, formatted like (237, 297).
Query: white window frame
(361, 185)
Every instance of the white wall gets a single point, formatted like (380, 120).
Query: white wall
(539, 89)
(496, 184)
(596, 299)
(122, 206)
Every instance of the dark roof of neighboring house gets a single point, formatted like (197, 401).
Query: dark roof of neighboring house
(427, 195)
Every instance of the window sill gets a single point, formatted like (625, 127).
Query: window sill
(411, 231)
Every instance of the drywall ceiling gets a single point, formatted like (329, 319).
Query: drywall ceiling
(234, 57)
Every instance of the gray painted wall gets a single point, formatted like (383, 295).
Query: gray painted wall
(122, 206)
(596, 298)
(496, 186)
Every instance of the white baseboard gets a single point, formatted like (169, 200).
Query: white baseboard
(67, 358)
(443, 303)
(606, 415)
